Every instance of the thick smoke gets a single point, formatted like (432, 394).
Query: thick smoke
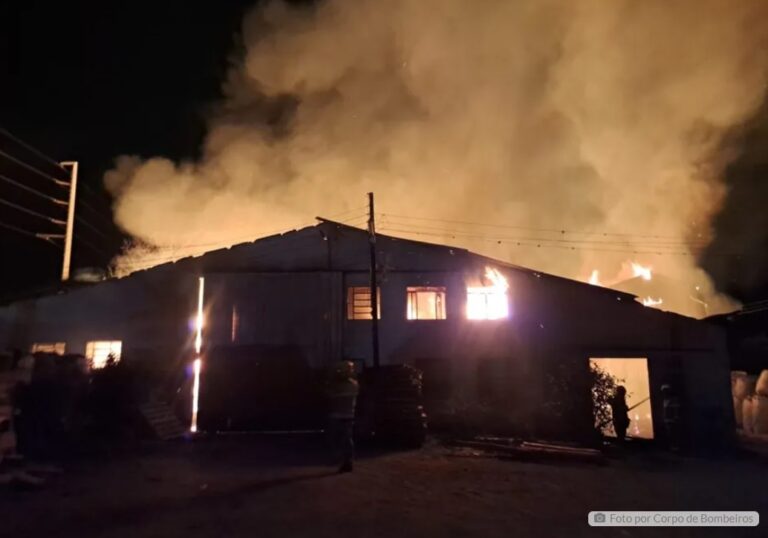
(588, 116)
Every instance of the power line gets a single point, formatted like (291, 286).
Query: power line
(543, 244)
(33, 213)
(93, 247)
(91, 227)
(32, 191)
(236, 240)
(98, 197)
(94, 211)
(464, 233)
(18, 230)
(33, 169)
(530, 229)
(147, 262)
(31, 148)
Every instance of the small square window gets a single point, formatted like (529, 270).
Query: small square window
(426, 303)
(359, 302)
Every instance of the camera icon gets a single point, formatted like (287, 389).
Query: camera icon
(599, 518)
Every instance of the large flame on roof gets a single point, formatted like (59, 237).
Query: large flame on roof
(490, 301)
(642, 271)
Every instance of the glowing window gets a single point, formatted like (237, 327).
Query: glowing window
(359, 302)
(99, 352)
(487, 303)
(632, 374)
(49, 347)
(426, 303)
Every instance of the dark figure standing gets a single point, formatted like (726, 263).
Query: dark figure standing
(341, 392)
(620, 413)
(671, 406)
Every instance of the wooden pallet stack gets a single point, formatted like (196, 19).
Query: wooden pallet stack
(390, 408)
(162, 421)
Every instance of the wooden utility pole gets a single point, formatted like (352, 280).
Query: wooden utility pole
(70, 219)
(374, 283)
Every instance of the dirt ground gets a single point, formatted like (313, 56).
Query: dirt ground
(282, 487)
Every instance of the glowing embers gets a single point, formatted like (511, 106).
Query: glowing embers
(489, 301)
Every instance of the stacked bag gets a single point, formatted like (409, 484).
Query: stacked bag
(742, 387)
(750, 400)
(389, 407)
(760, 405)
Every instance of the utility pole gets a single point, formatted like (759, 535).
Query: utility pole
(70, 219)
(374, 283)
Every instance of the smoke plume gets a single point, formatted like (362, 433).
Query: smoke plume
(591, 132)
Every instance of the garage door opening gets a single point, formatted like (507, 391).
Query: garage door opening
(632, 373)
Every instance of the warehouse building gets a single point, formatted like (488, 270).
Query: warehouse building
(481, 330)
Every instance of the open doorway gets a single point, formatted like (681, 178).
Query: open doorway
(632, 373)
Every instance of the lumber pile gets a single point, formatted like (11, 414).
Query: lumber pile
(504, 448)
(161, 420)
(389, 407)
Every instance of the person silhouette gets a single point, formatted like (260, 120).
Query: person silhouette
(620, 413)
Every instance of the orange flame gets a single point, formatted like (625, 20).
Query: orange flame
(639, 270)
(489, 302)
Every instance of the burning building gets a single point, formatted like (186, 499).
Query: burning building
(479, 329)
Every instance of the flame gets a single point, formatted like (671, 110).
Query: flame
(489, 302)
(594, 278)
(497, 279)
(641, 271)
(650, 301)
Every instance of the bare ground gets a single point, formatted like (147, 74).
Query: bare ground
(269, 486)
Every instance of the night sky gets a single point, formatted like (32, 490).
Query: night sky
(89, 81)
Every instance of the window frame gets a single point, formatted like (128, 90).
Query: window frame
(412, 292)
(355, 311)
(90, 352)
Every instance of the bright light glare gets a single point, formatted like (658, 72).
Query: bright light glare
(195, 393)
(197, 365)
(199, 319)
(489, 302)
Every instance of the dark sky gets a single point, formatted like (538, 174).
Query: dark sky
(89, 81)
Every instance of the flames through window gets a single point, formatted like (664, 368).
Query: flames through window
(489, 301)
